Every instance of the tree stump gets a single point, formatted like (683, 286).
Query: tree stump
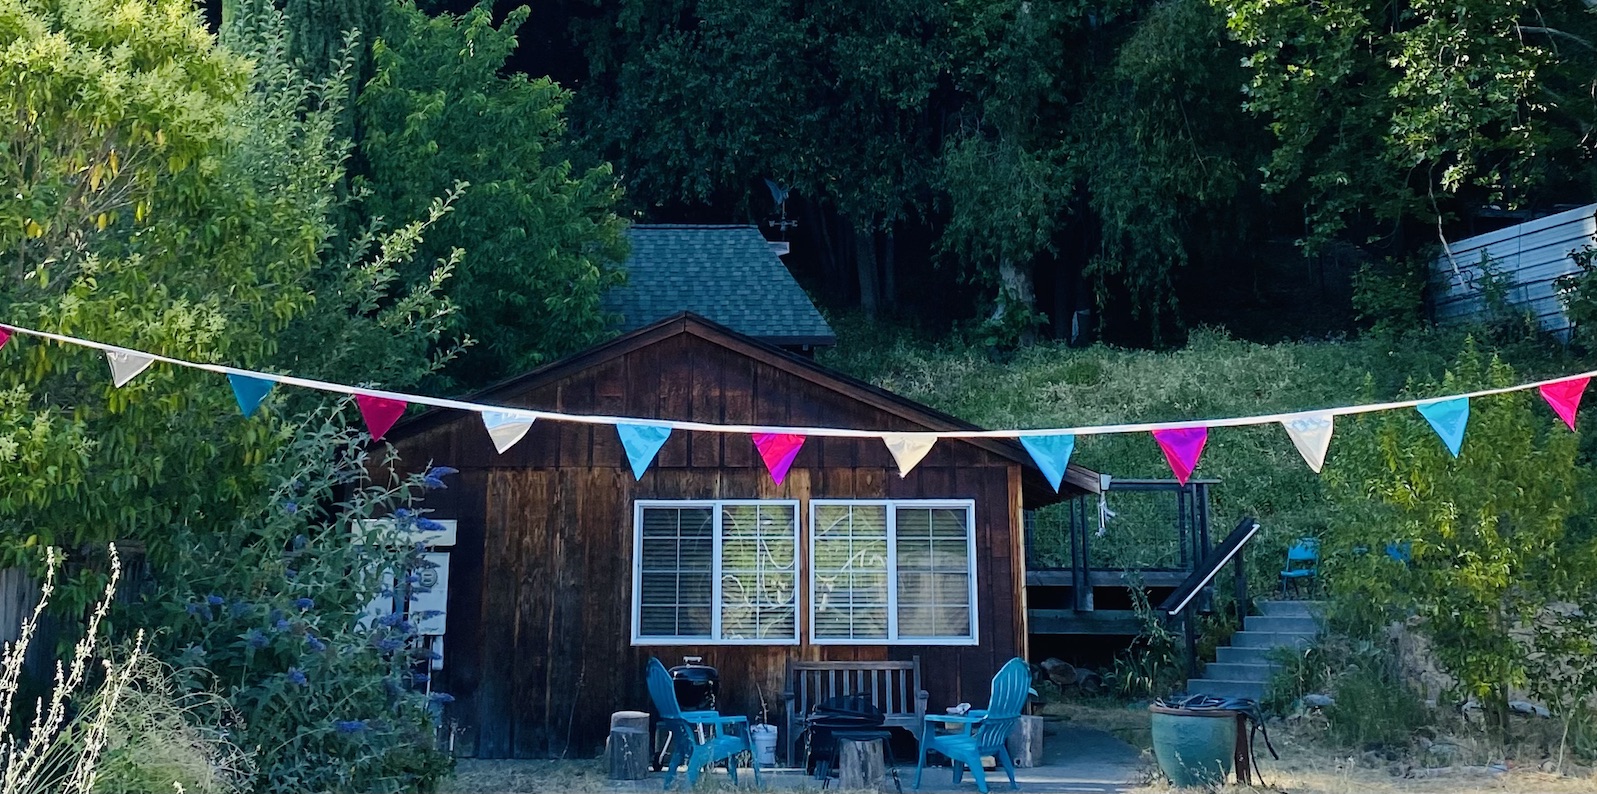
(628, 719)
(628, 751)
(1025, 742)
(860, 765)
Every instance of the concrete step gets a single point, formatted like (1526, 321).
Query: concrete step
(1282, 625)
(1226, 689)
(1272, 639)
(1232, 671)
(1292, 609)
(1231, 654)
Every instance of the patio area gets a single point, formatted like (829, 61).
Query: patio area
(1077, 760)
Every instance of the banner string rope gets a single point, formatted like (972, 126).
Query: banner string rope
(530, 414)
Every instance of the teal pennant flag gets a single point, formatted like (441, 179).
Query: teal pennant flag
(249, 391)
(1052, 454)
(1447, 418)
(641, 443)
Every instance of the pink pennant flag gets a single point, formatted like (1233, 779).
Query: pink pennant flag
(5, 336)
(778, 451)
(380, 413)
(1564, 396)
(1182, 447)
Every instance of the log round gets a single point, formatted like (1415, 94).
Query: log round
(860, 765)
(628, 750)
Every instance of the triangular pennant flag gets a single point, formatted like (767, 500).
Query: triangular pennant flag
(380, 413)
(505, 428)
(248, 391)
(1312, 436)
(1182, 447)
(778, 451)
(1052, 454)
(1564, 396)
(908, 449)
(641, 442)
(1447, 418)
(5, 336)
(127, 366)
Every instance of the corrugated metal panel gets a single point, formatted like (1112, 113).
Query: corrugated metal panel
(1530, 256)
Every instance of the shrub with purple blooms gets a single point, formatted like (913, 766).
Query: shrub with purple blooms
(272, 614)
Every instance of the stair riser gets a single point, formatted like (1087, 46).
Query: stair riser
(1239, 672)
(1229, 689)
(1292, 609)
(1266, 639)
(1282, 625)
(1245, 655)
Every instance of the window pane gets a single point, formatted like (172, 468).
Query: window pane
(676, 561)
(849, 572)
(759, 571)
(934, 554)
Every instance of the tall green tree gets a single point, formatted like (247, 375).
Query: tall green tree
(540, 236)
(172, 195)
(1397, 111)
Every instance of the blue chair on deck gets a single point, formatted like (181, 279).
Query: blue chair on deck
(981, 732)
(1302, 565)
(718, 740)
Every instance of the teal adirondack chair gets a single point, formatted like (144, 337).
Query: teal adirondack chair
(719, 740)
(980, 732)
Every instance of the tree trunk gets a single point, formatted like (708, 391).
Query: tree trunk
(865, 265)
(889, 271)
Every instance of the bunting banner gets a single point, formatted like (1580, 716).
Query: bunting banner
(505, 429)
(1182, 447)
(1052, 455)
(1312, 436)
(249, 392)
(1448, 418)
(1564, 396)
(778, 451)
(641, 443)
(126, 365)
(380, 413)
(908, 449)
(1182, 442)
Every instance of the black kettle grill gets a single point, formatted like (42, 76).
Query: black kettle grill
(696, 684)
(834, 715)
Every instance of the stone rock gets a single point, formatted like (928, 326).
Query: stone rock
(1318, 701)
(1059, 671)
(1528, 708)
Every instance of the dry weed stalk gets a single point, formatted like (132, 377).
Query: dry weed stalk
(57, 755)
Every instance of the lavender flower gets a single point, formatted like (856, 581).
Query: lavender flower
(429, 525)
(281, 625)
(255, 638)
(300, 542)
(297, 676)
(192, 608)
(238, 609)
(290, 507)
(315, 643)
(441, 697)
(304, 604)
(434, 478)
(349, 726)
(215, 600)
(420, 678)
(290, 574)
(387, 645)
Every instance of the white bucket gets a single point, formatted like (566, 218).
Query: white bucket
(764, 744)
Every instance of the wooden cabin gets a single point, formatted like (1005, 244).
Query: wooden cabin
(567, 572)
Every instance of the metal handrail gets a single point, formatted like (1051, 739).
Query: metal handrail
(1210, 568)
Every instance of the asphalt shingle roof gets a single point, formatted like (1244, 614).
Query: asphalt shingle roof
(727, 274)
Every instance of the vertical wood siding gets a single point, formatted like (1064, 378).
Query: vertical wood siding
(539, 651)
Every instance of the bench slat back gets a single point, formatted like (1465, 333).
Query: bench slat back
(890, 686)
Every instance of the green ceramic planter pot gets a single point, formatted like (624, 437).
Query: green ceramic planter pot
(1194, 748)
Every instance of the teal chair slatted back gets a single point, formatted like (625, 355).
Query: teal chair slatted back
(663, 691)
(1306, 550)
(1010, 688)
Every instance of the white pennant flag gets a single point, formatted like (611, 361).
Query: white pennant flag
(1312, 436)
(127, 366)
(908, 450)
(505, 428)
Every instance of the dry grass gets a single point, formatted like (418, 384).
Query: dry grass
(525, 777)
(1309, 766)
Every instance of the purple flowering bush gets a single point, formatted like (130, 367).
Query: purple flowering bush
(272, 614)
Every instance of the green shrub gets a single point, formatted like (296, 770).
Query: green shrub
(1373, 708)
(272, 613)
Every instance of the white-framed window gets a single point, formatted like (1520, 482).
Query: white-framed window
(885, 572)
(715, 572)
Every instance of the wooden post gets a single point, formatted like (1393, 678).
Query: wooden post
(628, 750)
(628, 719)
(1025, 742)
(860, 765)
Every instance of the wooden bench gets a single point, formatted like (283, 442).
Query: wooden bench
(894, 687)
